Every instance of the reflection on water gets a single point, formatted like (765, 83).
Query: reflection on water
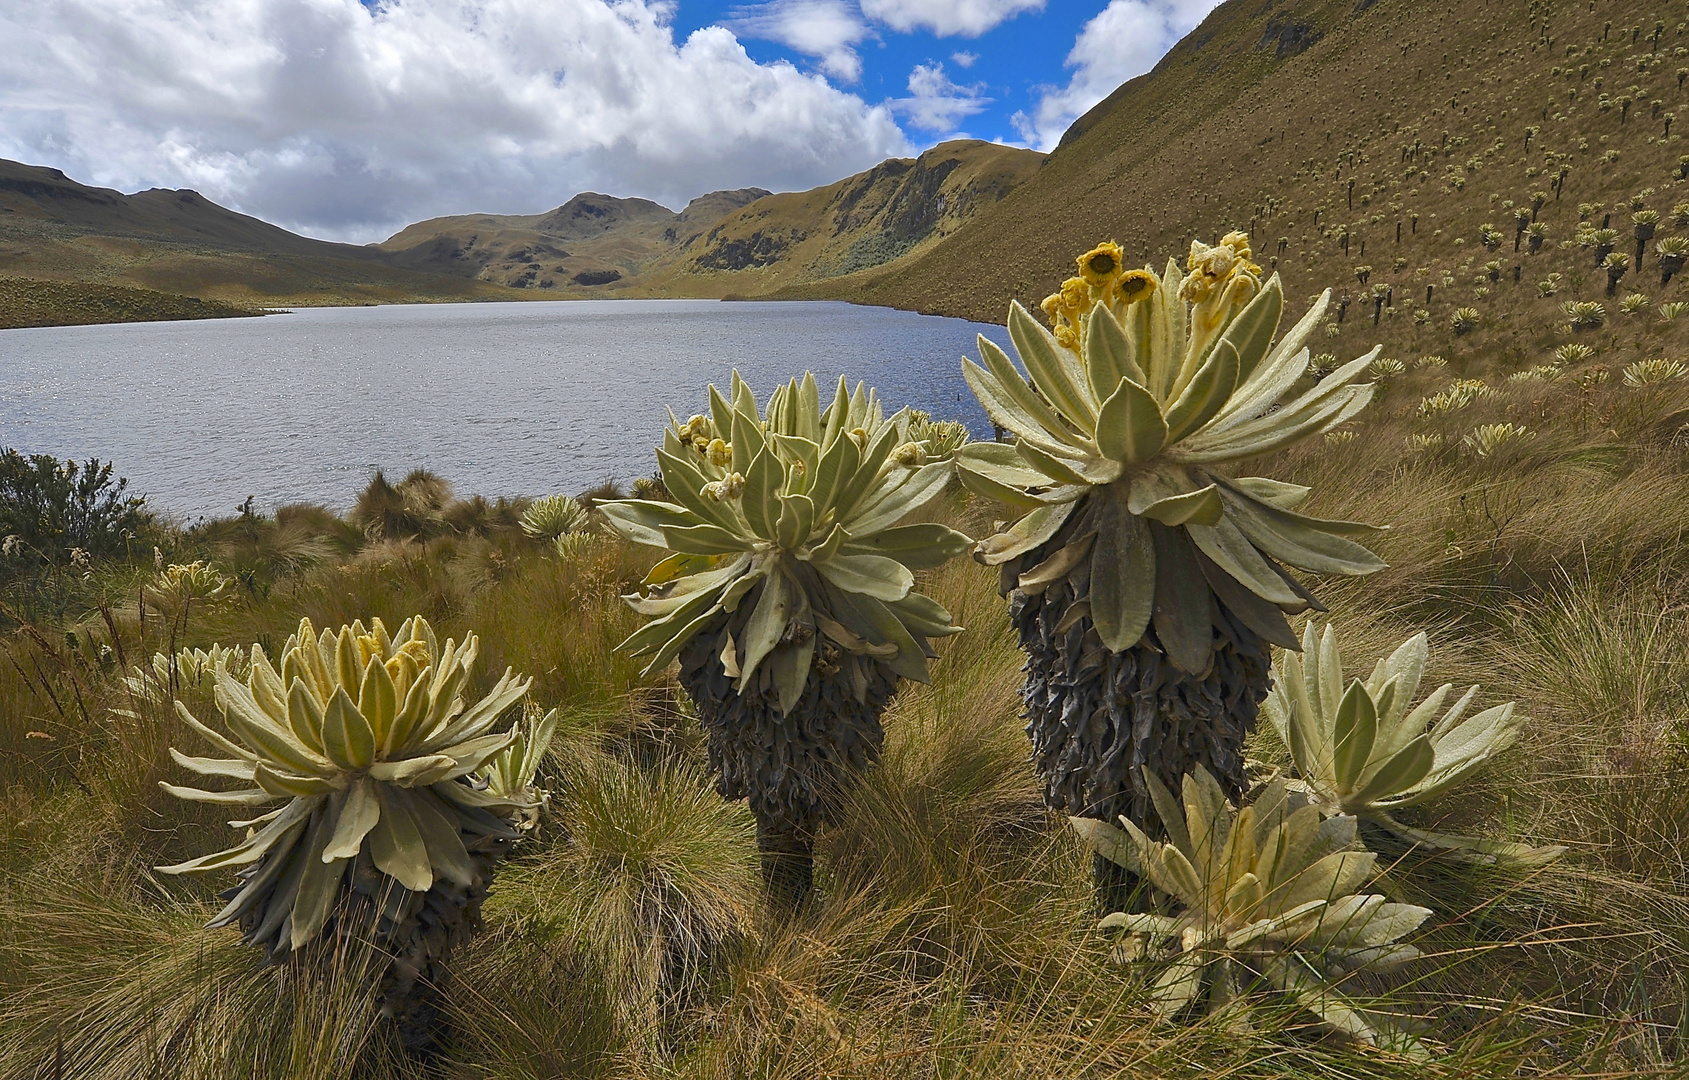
(520, 398)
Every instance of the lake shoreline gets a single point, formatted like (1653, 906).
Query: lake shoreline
(34, 303)
(519, 397)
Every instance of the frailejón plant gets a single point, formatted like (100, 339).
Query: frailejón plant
(558, 519)
(1486, 440)
(177, 586)
(387, 830)
(1653, 372)
(937, 438)
(1370, 750)
(790, 599)
(1268, 899)
(1144, 580)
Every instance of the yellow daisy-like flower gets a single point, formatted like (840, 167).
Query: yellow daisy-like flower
(1099, 266)
(1134, 285)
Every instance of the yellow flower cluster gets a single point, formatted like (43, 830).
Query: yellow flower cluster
(1221, 279)
(1212, 269)
(1102, 280)
(701, 437)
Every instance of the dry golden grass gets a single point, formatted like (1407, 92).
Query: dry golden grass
(952, 936)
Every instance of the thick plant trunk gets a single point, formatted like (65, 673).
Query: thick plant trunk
(413, 932)
(792, 767)
(1098, 719)
(788, 865)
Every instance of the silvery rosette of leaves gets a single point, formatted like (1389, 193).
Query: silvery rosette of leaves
(806, 504)
(1368, 750)
(367, 742)
(1128, 413)
(1268, 899)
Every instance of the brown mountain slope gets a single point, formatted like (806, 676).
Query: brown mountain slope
(1366, 146)
(590, 241)
(743, 243)
(897, 209)
(53, 228)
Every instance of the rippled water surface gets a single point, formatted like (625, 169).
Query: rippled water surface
(523, 398)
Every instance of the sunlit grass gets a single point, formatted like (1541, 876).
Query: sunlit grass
(952, 934)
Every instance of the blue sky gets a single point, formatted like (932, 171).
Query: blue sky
(1004, 70)
(347, 119)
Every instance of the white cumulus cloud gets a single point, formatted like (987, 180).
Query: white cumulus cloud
(937, 104)
(947, 18)
(1123, 41)
(828, 30)
(347, 122)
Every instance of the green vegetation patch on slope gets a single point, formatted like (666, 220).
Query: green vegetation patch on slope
(589, 242)
(55, 229)
(24, 302)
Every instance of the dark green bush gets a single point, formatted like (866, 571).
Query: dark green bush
(49, 508)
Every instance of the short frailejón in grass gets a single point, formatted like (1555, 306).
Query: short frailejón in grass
(397, 800)
(1369, 750)
(1267, 898)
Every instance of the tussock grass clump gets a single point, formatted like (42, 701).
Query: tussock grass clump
(122, 983)
(656, 884)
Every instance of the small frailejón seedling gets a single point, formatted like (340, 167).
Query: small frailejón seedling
(1145, 583)
(1367, 751)
(790, 599)
(938, 438)
(560, 520)
(398, 800)
(1489, 440)
(1267, 899)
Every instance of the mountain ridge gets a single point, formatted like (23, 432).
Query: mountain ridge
(743, 242)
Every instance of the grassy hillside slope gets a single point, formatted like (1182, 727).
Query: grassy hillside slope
(179, 242)
(745, 242)
(890, 213)
(1366, 146)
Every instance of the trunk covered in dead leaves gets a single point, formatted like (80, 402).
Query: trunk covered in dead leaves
(1098, 718)
(791, 766)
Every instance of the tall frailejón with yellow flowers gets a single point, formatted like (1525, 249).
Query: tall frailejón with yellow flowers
(789, 600)
(1146, 583)
(396, 799)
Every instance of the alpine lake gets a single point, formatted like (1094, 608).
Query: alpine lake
(499, 399)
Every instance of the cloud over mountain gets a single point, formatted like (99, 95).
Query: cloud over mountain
(1123, 41)
(346, 121)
